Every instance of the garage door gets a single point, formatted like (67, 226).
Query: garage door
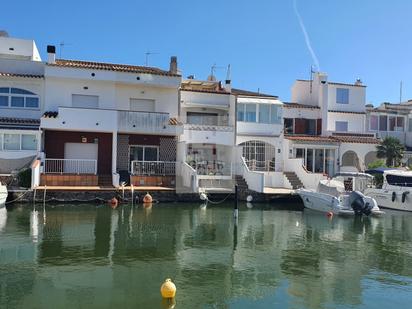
(80, 151)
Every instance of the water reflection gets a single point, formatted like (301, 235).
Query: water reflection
(3, 218)
(95, 256)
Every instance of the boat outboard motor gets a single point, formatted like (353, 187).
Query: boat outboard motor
(358, 204)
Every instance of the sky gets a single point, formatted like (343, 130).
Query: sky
(262, 40)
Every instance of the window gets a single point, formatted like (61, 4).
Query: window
(142, 105)
(85, 101)
(288, 125)
(202, 118)
(392, 123)
(410, 124)
(374, 123)
(144, 153)
(264, 113)
(259, 156)
(18, 98)
(250, 115)
(383, 123)
(241, 112)
(400, 124)
(341, 126)
(28, 142)
(342, 95)
(275, 116)
(11, 141)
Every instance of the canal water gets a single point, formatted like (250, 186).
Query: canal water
(90, 256)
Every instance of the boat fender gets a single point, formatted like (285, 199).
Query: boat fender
(147, 198)
(393, 196)
(404, 194)
(114, 202)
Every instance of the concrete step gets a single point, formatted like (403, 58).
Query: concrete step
(294, 180)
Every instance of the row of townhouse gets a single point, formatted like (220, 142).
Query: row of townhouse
(91, 123)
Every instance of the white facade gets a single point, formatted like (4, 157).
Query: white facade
(21, 103)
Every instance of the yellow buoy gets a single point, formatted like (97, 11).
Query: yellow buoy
(168, 289)
(147, 198)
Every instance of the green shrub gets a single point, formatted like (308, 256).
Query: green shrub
(24, 178)
(376, 164)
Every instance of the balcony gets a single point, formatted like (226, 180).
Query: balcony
(146, 122)
(208, 129)
(108, 120)
(153, 173)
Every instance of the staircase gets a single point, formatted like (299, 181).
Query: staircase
(105, 181)
(241, 182)
(294, 180)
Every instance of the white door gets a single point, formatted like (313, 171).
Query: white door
(78, 152)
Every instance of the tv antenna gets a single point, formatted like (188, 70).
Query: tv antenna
(213, 69)
(147, 54)
(62, 44)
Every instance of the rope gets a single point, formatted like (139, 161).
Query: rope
(219, 202)
(16, 199)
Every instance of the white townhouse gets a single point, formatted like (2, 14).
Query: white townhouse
(206, 147)
(325, 127)
(259, 134)
(21, 103)
(107, 123)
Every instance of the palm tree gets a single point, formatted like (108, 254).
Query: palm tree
(391, 149)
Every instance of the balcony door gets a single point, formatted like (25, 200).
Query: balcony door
(144, 153)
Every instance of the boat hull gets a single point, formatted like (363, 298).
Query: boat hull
(328, 203)
(385, 199)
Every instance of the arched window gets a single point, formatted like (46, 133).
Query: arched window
(18, 98)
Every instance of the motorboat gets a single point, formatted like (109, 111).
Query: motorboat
(341, 195)
(396, 191)
(3, 195)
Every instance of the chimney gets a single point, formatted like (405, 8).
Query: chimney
(228, 84)
(173, 65)
(358, 82)
(51, 54)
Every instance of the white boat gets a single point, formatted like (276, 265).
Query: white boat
(332, 196)
(396, 191)
(3, 195)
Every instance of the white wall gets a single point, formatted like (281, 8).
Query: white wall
(111, 95)
(361, 150)
(356, 122)
(357, 98)
(301, 113)
(201, 98)
(301, 93)
(13, 48)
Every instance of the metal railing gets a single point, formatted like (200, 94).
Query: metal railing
(153, 168)
(148, 121)
(207, 127)
(212, 167)
(260, 166)
(70, 166)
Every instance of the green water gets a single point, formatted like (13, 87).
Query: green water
(88, 256)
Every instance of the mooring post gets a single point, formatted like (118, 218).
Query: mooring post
(236, 209)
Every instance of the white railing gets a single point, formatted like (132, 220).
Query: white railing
(205, 127)
(255, 180)
(70, 166)
(35, 174)
(153, 168)
(189, 177)
(212, 167)
(261, 166)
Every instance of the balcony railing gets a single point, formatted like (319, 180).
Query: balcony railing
(203, 127)
(153, 168)
(212, 167)
(147, 121)
(260, 166)
(70, 166)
